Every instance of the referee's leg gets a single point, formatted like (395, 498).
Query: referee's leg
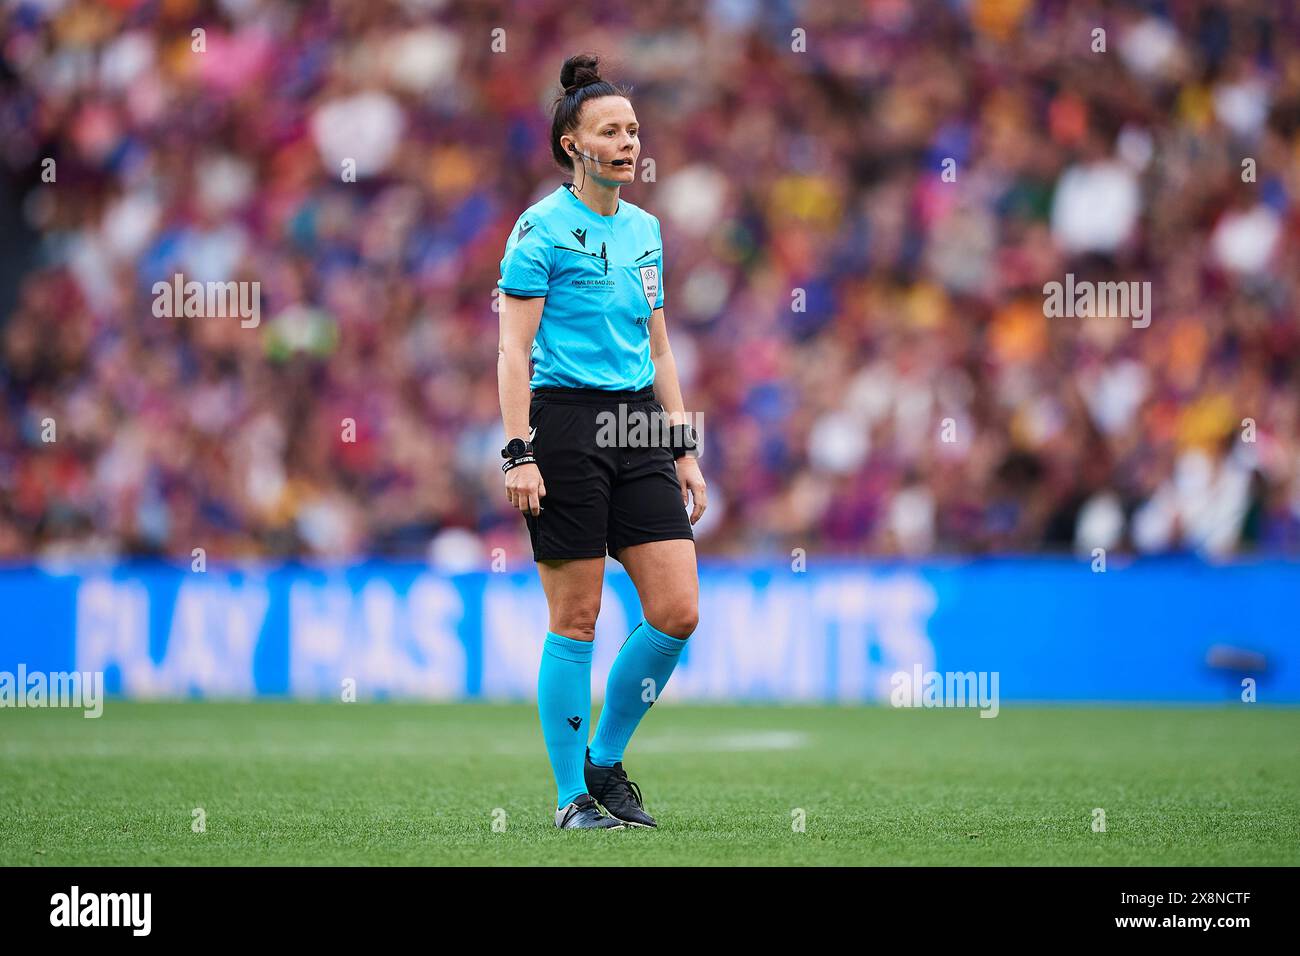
(564, 678)
(665, 577)
(667, 581)
(573, 590)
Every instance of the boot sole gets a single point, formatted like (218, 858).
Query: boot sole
(627, 823)
(621, 826)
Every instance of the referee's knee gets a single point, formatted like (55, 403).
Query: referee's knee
(677, 620)
(576, 622)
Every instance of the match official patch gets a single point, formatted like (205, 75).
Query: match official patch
(650, 284)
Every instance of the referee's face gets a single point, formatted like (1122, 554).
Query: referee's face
(609, 131)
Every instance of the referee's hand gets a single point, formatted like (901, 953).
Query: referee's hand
(525, 489)
(692, 481)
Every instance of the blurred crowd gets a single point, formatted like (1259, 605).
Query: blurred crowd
(861, 204)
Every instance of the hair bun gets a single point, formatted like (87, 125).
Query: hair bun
(579, 71)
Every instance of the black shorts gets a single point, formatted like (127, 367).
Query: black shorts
(599, 498)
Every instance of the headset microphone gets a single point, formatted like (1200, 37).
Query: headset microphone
(612, 162)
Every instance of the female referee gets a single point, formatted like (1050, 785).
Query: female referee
(582, 297)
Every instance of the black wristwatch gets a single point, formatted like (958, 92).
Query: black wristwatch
(684, 441)
(517, 452)
(517, 448)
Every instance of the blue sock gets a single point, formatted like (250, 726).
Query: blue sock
(564, 705)
(647, 653)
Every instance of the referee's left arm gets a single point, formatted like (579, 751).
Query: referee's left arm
(668, 392)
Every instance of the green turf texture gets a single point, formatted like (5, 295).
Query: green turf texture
(385, 783)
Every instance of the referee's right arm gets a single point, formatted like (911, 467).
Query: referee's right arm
(520, 319)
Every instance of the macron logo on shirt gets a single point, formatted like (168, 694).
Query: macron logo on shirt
(524, 229)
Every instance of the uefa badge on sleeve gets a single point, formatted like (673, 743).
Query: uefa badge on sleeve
(650, 284)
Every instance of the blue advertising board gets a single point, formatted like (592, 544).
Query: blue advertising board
(1154, 630)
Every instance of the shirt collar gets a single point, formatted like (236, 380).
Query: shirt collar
(568, 188)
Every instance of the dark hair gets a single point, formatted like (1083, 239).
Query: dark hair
(581, 82)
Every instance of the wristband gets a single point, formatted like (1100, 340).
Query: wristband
(516, 462)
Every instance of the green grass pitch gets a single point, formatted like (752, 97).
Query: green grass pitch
(388, 783)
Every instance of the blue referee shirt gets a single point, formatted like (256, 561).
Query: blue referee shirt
(602, 277)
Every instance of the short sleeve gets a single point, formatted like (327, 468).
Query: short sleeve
(526, 266)
(659, 301)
